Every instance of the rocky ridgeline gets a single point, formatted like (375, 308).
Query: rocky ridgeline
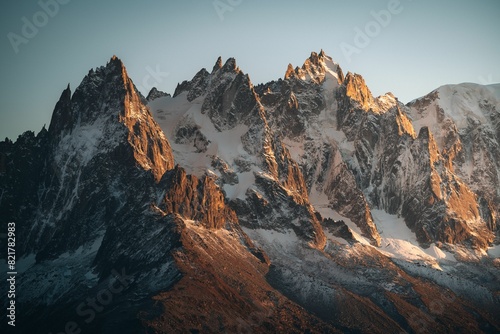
(238, 226)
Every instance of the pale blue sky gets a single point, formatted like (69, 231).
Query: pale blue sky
(424, 44)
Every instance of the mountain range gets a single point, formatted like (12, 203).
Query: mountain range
(302, 205)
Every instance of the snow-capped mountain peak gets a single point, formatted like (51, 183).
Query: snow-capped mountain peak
(317, 68)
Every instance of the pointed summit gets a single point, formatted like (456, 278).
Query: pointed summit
(105, 98)
(218, 65)
(357, 90)
(62, 117)
(314, 59)
(230, 66)
(115, 62)
(154, 94)
(116, 66)
(196, 86)
(290, 72)
(317, 68)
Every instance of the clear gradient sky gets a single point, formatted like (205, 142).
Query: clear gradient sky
(423, 45)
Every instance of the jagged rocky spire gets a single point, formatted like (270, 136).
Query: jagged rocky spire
(62, 116)
(218, 65)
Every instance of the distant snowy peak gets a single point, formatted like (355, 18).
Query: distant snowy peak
(317, 68)
(154, 94)
(198, 85)
(465, 104)
(465, 122)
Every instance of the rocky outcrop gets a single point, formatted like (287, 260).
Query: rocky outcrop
(62, 117)
(356, 89)
(150, 146)
(230, 100)
(193, 199)
(154, 94)
(194, 88)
